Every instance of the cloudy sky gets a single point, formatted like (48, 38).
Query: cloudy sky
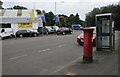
(66, 7)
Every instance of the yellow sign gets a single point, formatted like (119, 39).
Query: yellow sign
(24, 25)
(32, 15)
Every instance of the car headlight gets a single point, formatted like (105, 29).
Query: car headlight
(79, 37)
(93, 38)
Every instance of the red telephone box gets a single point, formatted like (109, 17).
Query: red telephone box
(88, 44)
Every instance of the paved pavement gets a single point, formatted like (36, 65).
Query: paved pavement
(103, 64)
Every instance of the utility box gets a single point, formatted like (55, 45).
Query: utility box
(105, 37)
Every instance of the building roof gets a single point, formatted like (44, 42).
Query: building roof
(8, 13)
(15, 16)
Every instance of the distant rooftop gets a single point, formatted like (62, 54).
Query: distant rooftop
(14, 13)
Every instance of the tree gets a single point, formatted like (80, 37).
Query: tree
(90, 17)
(49, 18)
(74, 20)
(71, 19)
(43, 11)
(63, 20)
(114, 9)
(38, 11)
(77, 19)
(117, 17)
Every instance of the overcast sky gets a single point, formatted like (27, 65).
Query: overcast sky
(66, 7)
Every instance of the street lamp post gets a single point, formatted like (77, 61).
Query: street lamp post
(56, 9)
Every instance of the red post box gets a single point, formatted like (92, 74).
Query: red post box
(88, 44)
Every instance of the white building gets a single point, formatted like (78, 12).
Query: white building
(19, 19)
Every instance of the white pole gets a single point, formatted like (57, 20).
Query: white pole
(55, 8)
(34, 7)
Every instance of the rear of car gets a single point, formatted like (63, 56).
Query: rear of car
(49, 29)
(64, 30)
(76, 27)
(55, 28)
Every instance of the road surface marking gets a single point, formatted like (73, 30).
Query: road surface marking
(18, 57)
(44, 50)
(60, 46)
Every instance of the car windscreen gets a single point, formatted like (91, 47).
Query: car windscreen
(22, 31)
(62, 28)
(94, 31)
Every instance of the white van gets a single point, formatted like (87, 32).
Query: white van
(4, 33)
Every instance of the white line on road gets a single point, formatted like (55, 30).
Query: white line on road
(60, 46)
(44, 50)
(18, 57)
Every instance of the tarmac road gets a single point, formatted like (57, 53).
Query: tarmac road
(43, 55)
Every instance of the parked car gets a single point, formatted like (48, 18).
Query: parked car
(48, 30)
(26, 33)
(64, 30)
(80, 38)
(77, 27)
(6, 33)
(55, 28)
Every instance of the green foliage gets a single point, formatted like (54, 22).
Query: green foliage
(38, 11)
(49, 18)
(63, 20)
(114, 9)
(117, 17)
(75, 20)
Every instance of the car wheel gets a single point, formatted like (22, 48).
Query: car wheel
(21, 35)
(57, 33)
(71, 32)
(47, 32)
(11, 36)
(63, 33)
(35, 35)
